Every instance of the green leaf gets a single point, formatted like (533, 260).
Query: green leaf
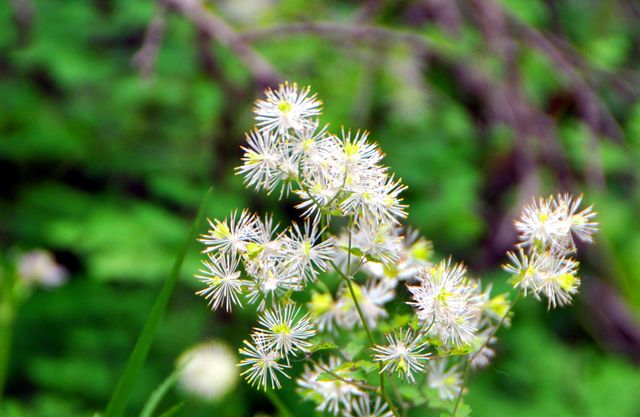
(323, 346)
(120, 396)
(158, 394)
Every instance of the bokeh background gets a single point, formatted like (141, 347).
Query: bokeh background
(117, 116)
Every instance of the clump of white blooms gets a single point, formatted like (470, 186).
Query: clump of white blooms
(207, 371)
(349, 275)
(544, 264)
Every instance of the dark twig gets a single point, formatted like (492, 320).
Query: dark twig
(145, 58)
(216, 28)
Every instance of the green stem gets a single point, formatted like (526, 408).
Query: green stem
(278, 403)
(6, 336)
(477, 352)
(363, 386)
(365, 324)
(8, 307)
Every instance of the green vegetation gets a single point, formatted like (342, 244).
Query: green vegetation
(105, 158)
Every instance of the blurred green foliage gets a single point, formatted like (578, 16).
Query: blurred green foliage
(106, 168)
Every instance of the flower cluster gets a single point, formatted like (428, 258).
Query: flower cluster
(543, 263)
(337, 281)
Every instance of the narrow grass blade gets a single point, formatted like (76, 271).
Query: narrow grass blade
(121, 394)
(158, 394)
(173, 410)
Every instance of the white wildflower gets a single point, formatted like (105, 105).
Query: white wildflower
(284, 331)
(208, 370)
(263, 366)
(305, 253)
(363, 407)
(333, 394)
(448, 382)
(38, 267)
(232, 234)
(223, 281)
(371, 299)
(286, 108)
(403, 353)
(447, 301)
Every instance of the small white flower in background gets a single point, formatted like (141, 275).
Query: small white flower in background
(287, 108)
(543, 264)
(284, 331)
(404, 353)
(524, 269)
(208, 370)
(542, 225)
(580, 222)
(481, 358)
(447, 381)
(371, 299)
(548, 223)
(263, 364)
(38, 267)
(324, 310)
(363, 407)
(336, 395)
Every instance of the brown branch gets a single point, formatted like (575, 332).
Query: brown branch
(146, 56)
(216, 28)
(375, 35)
(23, 12)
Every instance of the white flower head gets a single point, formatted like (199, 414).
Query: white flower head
(263, 364)
(448, 302)
(262, 161)
(581, 223)
(448, 382)
(542, 225)
(324, 310)
(38, 267)
(362, 406)
(545, 273)
(224, 285)
(375, 240)
(404, 354)
(287, 108)
(557, 279)
(305, 253)
(232, 234)
(208, 370)
(285, 330)
(371, 298)
(332, 395)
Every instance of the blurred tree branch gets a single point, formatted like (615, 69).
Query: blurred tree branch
(146, 57)
(215, 27)
(23, 13)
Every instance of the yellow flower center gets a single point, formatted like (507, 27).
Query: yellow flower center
(284, 106)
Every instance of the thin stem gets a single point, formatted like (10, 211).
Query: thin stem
(346, 279)
(346, 381)
(6, 336)
(477, 352)
(365, 324)
(8, 307)
(278, 403)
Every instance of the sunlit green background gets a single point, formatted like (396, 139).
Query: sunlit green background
(106, 167)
